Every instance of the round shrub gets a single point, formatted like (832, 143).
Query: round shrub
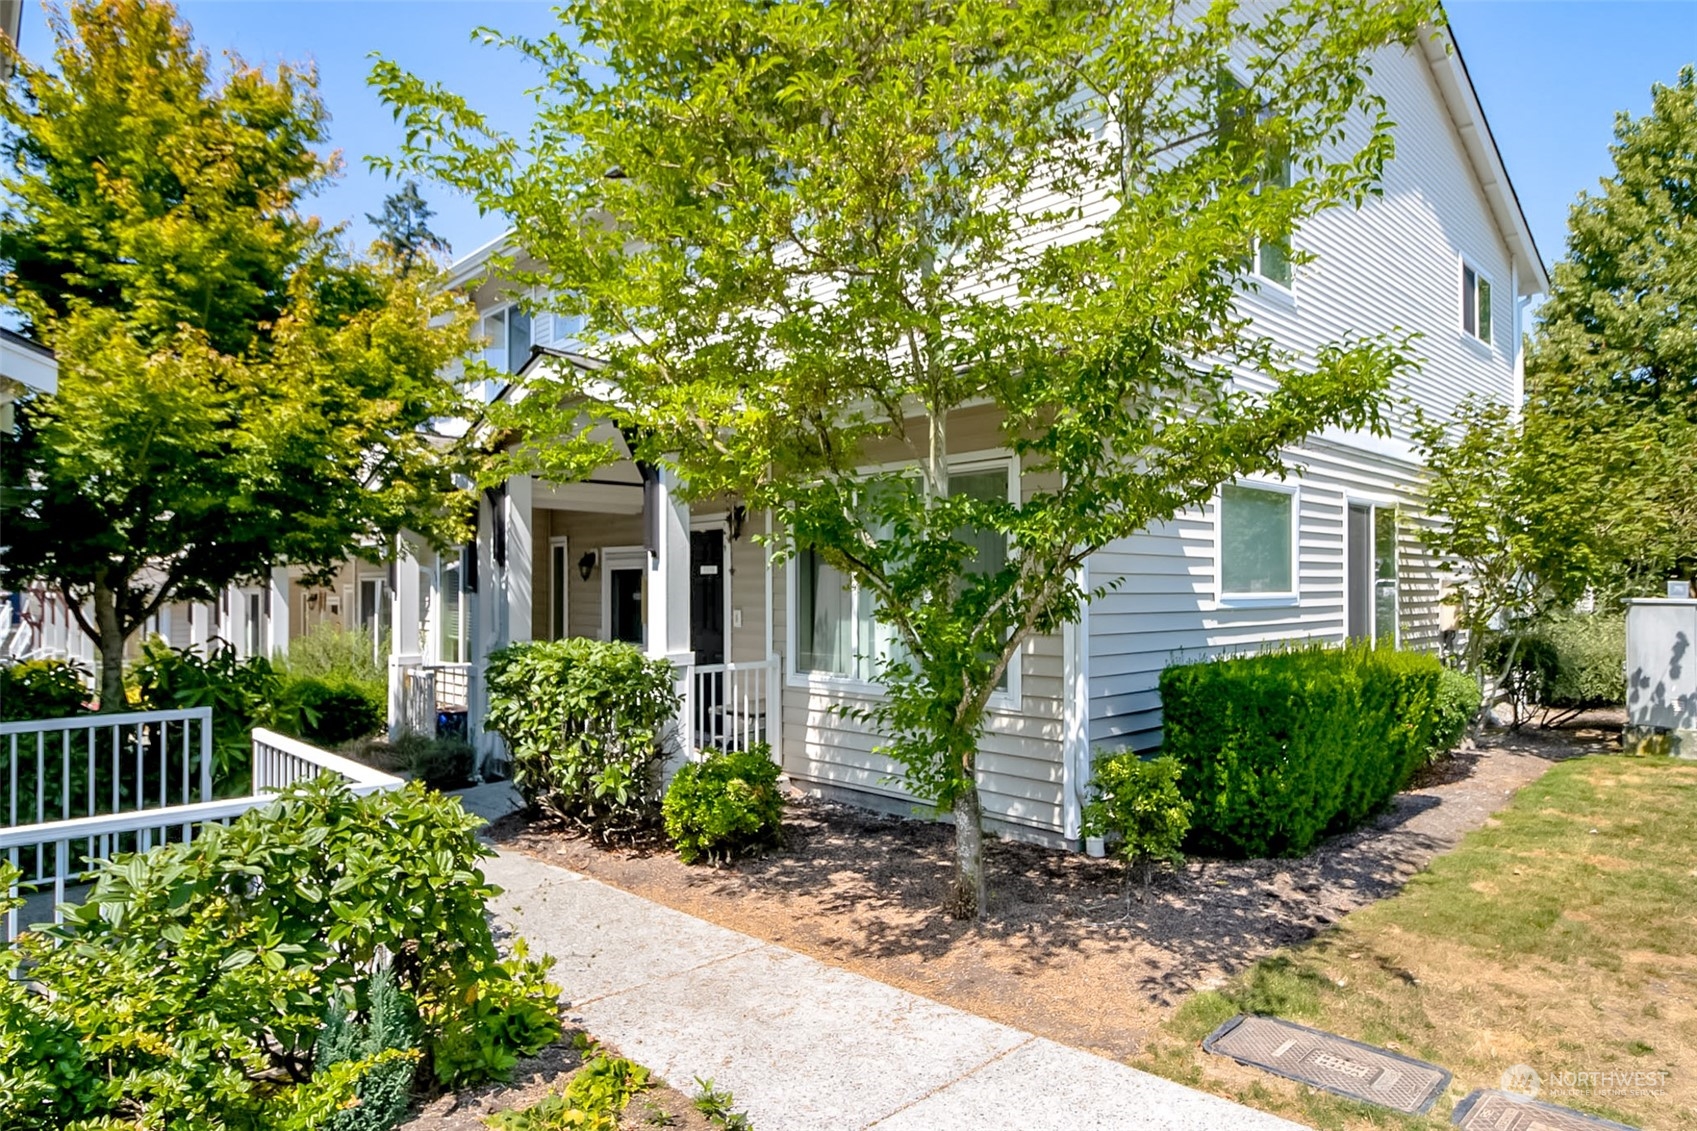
(1457, 705)
(1590, 661)
(1137, 805)
(583, 721)
(333, 710)
(725, 804)
(42, 689)
(443, 762)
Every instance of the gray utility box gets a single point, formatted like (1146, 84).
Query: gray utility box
(1661, 676)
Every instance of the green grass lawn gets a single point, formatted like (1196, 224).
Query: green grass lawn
(1562, 936)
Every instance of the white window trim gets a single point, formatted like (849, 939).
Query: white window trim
(1282, 292)
(609, 559)
(386, 594)
(1225, 600)
(1374, 504)
(1009, 700)
(1463, 266)
(504, 308)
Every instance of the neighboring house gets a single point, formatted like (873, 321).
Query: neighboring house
(769, 653)
(35, 622)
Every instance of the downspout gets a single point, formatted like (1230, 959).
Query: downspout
(1518, 392)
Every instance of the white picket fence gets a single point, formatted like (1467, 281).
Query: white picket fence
(56, 855)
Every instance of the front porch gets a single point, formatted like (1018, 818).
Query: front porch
(616, 557)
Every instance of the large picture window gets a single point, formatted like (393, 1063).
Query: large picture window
(836, 631)
(1256, 526)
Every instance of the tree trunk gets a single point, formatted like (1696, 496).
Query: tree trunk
(111, 645)
(966, 895)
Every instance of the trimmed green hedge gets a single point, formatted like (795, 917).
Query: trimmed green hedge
(1282, 748)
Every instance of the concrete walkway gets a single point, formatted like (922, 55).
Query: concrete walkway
(808, 1047)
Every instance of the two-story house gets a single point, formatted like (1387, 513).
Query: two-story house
(771, 653)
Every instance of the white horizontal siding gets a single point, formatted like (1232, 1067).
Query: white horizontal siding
(1164, 608)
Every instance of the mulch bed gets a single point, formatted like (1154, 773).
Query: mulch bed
(1061, 951)
(550, 1071)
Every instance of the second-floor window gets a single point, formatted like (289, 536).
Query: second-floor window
(1475, 303)
(506, 332)
(1269, 257)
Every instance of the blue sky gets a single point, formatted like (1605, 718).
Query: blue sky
(1550, 73)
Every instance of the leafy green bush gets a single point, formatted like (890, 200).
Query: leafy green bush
(1589, 668)
(725, 804)
(1281, 748)
(197, 976)
(1457, 705)
(333, 652)
(1137, 805)
(443, 762)
(243, 694)
(334, 686)
(583, 722)
(329, 710)
(1566, 662)
(42, 689)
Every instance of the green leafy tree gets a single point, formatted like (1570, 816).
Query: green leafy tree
(1588, 485)
(234, 391)
(403, 228)
(1613, 361)
(811, 238)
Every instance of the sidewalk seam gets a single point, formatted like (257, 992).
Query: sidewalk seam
(1030, 1038)
(756, 944)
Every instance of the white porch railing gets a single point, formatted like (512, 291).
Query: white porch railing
(729, 706)
(94, 764)
(57, 855)
(423, 694)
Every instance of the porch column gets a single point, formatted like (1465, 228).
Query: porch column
(404, 641)
(405, 632)
(517, 579)
(278, 633)
(483, 608)
(667, 608)
(1076, 764)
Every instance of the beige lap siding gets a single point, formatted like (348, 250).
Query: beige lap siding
(583, 532)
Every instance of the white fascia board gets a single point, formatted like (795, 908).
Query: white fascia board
(1443, 56)
(31, 368)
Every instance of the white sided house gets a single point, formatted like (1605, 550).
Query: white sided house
(772, 653)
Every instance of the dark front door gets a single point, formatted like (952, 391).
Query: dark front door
(625, 598)
(707, 631)
(707, 595)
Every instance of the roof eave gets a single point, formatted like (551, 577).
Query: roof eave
(1455, 85)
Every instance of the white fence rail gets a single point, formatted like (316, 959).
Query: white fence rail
(56, 856)
(729, 706)
(96, 764)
